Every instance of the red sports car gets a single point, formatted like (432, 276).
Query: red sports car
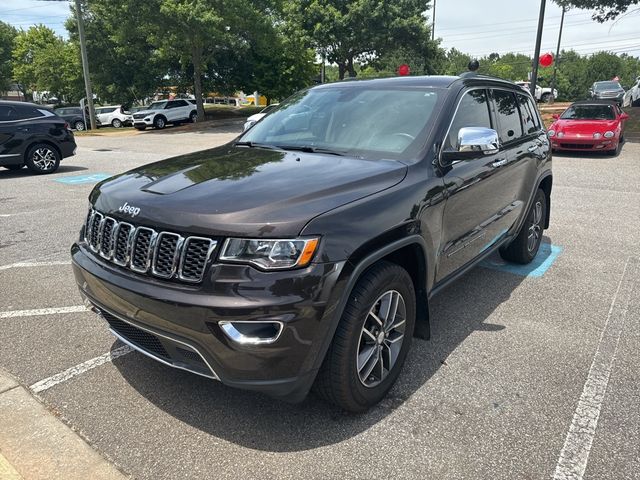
(589, 125)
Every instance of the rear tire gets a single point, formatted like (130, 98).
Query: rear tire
(193, 117)
(116, 123)
(42, 158)
(524, 248)
(635, 103)
(79, 126)
(546, 98)
(371, 343)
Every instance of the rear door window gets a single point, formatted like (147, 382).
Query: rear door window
(473, 111)
(509, 124)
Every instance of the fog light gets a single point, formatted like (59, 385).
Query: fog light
(252, 333)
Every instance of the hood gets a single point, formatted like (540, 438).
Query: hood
(242, 191)
(586, 127)
(145, 112)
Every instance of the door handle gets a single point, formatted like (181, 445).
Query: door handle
(533, 148)
(499, 163)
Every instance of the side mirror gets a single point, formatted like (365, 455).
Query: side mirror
(624, 116)
(555, 116)
(248, 124)
(473, 142)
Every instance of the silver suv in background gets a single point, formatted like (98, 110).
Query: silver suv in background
(609, 90)
(160, 113)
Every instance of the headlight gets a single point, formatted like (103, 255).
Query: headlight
(608, 134)
(270, 254)
(551, 133)
(597, 135)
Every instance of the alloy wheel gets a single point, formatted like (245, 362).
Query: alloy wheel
(381, 338)
(535, 229)
(44, 158)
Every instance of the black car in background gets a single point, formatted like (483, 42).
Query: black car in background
(33, 136)
(74, 117)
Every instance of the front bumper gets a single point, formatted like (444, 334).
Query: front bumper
(583, 144)
(142, 122)
(180, 323)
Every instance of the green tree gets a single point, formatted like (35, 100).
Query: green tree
(457, 62)
(124, 63)
(604, 9)
(351, 31)
(43, 61)
(7, 38)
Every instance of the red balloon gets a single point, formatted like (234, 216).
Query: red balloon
(546, 60)
(404, 69)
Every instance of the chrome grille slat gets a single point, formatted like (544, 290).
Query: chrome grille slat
(166, 255)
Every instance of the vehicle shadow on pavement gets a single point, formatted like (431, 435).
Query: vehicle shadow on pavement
(256, 421)
(25, 172)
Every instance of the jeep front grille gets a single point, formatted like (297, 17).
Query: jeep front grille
(144, 250)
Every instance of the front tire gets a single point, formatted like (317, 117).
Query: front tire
(372, 339)
(524, 248)
(159, 123)
(42, 158)
(193, 117)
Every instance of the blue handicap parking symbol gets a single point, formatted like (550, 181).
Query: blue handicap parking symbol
(80, 179)
(547, 254)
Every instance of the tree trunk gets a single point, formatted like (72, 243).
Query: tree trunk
(196, 59)
(341, 70)
(352, 71)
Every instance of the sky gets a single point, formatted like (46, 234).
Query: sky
(477, 27)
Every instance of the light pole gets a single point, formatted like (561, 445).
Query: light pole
(85, 61)
(433, 21)
(555, 64)
(536, 55)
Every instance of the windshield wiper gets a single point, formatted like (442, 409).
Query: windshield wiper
(257, 145)
(311, 149)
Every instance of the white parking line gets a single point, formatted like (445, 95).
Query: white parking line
(69, 373)
(577, 446)
(34, 264)
(42, 311)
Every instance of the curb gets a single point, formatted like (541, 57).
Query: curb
(35, 444)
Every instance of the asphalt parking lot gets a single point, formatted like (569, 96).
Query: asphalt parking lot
(530, 373)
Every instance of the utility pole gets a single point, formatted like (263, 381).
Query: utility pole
(433, 21)
(555, 63)
(85, 65)
(536, 55)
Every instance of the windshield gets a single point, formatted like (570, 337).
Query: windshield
(359, 120)
(607, 86)
(157, 105)
(589, 112)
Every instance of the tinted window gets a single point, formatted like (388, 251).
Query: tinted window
(509, 127)
(473, 111)
(528, 118)
(606, 86)
(589, 112)
(7, 113)
(179, 103)
(25, 111)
